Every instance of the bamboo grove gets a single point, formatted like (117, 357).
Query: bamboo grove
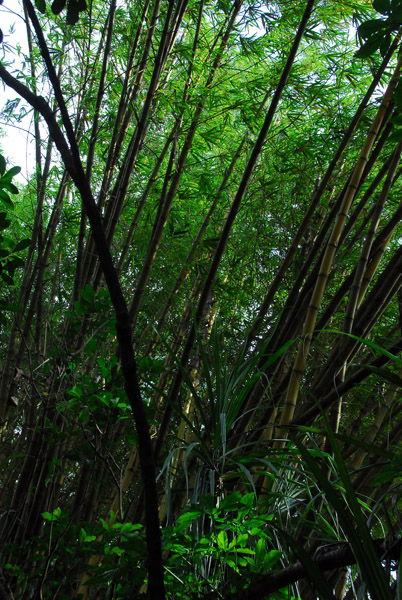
(201, 301)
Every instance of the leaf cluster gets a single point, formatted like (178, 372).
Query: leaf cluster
(10, 260)
(376, 34)
(74, 7)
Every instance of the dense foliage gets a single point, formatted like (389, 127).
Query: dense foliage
(201, 301)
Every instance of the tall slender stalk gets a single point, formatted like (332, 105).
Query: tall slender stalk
(231, 218)
(73, 164)
(309, 324)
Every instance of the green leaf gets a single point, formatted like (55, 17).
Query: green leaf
(369, 27)
(230, 502)
(73, 10)
(5, 198)
(10, 307)
(87, 293)
(386, 374)
(22, 244)
(260, 551)
(385, 44)
(15, 262)
(10, 187)
(129, 527)
(11, 173)
(369, 563)
(387, 473)
(5, 277)
(4, 222)
(2, 164)
(272, 558)
(41, 5)
(382, 6)
(58, 6)
(395, 136)
(222, 539)
(147, 364)
(52, 516)
(76, 391)
(397, 97)
(188, 517)
(396, 14)
(248, 499)
(370, 46)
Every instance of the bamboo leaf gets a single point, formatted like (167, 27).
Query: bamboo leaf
(378, 349)
(358, 536)
(387, 375)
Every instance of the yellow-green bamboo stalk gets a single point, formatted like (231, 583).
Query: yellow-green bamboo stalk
(356, 290)
(371, 269)
(309, 324)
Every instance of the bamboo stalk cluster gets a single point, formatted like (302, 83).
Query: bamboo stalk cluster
(214, 262)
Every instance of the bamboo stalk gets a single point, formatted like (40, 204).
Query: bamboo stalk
(231, 218)
(326, 264)
(273, 288)
(168, 196)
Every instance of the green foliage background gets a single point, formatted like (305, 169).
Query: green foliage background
(261, 464)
